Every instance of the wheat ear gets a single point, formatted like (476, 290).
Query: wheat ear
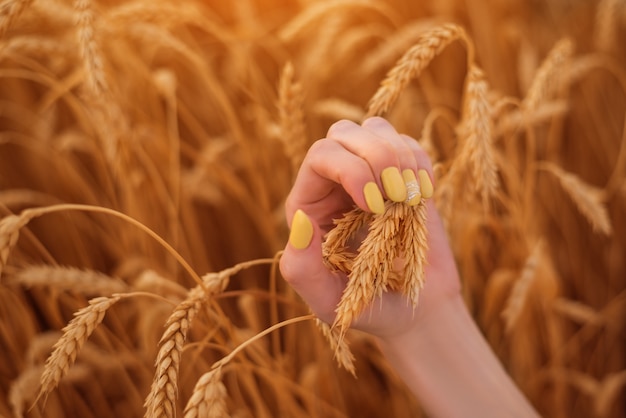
(10, 232)
(291, 117)
(161, 401)
(476, 132)
(209, 397)
(334, 250)
(338, 345)
(414, 241)
(89, 48)
(545, 82)
(371, 268)
(84, 281)
(74, 336)
(588, 198)
(10, 12)
(430, 44)
(521, 288)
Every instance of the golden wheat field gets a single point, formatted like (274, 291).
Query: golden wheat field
(147, 147)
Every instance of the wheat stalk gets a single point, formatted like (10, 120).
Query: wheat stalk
(10, 226)
(75, 334)
(318, 11)
(412, 63)
(577, 311)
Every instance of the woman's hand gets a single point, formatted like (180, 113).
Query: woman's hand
(362, 165)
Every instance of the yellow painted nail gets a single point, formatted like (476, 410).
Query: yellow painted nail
(373, 197)
(425, 184)
(413, 193)
(301, 230)
(393, 183)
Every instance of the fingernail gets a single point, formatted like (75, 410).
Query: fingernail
(425, 184)
(301, 230)
(393, 183)
(373, 197)
(413, 194)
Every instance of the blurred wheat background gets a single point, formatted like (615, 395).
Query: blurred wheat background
(147, 146)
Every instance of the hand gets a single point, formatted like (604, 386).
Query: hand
(347, 168)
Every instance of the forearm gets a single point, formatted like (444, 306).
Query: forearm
(452, 370)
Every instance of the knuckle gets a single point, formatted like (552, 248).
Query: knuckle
(339, 127)
(375, 120)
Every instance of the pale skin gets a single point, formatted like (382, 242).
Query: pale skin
(435, 348)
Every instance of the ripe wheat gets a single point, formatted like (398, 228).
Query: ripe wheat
(74, 336)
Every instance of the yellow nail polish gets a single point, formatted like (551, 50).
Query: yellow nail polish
(301, 230)
(393, 183)
(373, 197)
(413, 191)
(425, 184)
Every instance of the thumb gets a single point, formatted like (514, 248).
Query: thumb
(303, 268)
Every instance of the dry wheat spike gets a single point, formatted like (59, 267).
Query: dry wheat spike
(74, 336)
(546, 80)
(93, 63)
(161, 401)
(209, 397)
(588, 198)
(476, 132)
(10, 12)
(338, 345)
(84, 281)
(399, 232)
(291, 117)
(334, 247)
(430, 44)
(10, 232)
(521, 288)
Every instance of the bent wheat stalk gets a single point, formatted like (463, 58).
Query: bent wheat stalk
(11, 225)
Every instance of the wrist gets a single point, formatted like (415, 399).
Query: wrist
(451, 368)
